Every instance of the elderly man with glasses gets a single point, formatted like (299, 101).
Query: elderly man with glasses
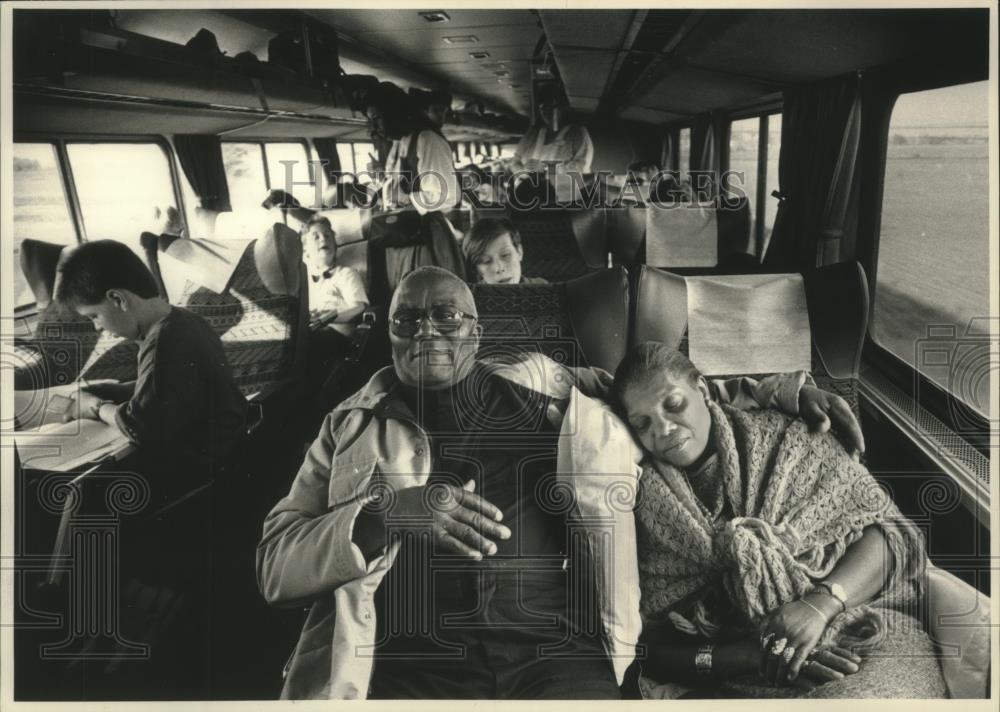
(424, 529)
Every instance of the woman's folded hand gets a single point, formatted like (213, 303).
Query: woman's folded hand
(825, 665)
(788, 635)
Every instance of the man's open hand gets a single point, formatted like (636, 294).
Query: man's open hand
(461, 521)
(822, 410)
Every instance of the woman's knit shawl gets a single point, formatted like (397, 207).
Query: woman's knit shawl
(798, 500)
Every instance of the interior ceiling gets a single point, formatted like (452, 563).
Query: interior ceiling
(403, 36)
(647, 65)
(396, 45)
(679, 63)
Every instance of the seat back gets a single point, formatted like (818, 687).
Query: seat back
(65, 345)
(582, 322)
(835, 300)
(626, 232)
(697, 236)
(39, 260)
(550, 243)
(260, 313)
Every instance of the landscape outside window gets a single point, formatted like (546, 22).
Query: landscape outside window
(41, 211)
(933, 261)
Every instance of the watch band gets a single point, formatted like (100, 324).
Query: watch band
(703, 660)
(835, 590)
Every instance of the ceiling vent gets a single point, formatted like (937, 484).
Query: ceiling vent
(435, 16)
(460, 39)
(479, 55)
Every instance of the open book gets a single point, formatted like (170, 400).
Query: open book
(61, 447)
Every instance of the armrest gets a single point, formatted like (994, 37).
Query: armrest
(362, 335)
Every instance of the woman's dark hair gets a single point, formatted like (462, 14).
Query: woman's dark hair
(647, 358)
(88, 271)
(483, 233)
(401, 114)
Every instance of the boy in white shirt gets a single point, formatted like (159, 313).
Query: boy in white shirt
(336, 293)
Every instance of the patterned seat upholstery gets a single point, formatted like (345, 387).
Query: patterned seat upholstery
(260, 317)
(550, 245)
(64, 346)
(582, 322)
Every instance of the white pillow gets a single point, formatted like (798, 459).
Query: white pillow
(599, 460)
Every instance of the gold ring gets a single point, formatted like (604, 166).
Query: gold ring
(779, 645)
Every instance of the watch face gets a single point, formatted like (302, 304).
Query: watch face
(838, 592)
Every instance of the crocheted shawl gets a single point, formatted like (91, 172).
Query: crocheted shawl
(797, 501)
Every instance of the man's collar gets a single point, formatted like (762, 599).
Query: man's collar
(381, 394)
(320, 276)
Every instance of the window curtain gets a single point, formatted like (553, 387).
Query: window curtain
(820, 132)
(200, 156)
(704, 154)
(326, 149)
(670, 156)
(702, 157)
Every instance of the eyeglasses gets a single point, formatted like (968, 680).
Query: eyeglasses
(446, 319)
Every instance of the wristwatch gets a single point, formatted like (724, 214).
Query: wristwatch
(96, 409)
(703, 660)
(835, 590)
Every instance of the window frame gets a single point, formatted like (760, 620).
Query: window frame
(262, 142)
(70, 193)
(933, 398)
(161, 141)
(763, 116)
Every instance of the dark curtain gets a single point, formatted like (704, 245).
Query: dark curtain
(820, 130)
(200, 156)
(326, 148)
(704, 156)
(670, 156)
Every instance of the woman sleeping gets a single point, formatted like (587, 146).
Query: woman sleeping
(771, 563)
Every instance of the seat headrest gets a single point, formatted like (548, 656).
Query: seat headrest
(838, 312)
(682, 235)
(245, 223)
(590, 229)
(748, 324)
(626, 228)
(38, 263)
(599, 308)
(278, 256)
(835, 299)
(699, 235)
(349, 224)
(209, 263)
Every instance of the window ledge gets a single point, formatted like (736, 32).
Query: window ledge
(948, 450)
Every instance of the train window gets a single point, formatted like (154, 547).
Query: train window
(41, 211)
(933, 259)
(120, 186)
(684, 152)
(363, 154)
(345, 152)
(744, 139)
(507, 150)
(300, 175)
(244, 164)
